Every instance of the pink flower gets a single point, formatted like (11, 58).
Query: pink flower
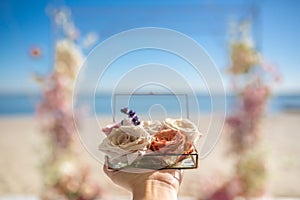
(107, 130)
(234, 121)
(254, 100)
(168, 141)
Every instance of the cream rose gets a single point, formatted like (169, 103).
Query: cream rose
(125, 142)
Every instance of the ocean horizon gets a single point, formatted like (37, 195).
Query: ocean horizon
(25, 104)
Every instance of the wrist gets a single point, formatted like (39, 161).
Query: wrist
(154, 190)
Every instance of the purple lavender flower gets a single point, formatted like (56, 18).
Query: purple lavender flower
(131, 114)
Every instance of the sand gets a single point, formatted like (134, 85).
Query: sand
(21, 142)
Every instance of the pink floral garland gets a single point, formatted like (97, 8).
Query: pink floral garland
(65, 177)
(253, 92)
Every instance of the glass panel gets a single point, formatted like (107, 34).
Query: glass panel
(157, 161)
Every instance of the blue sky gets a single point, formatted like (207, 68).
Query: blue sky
(24, 24)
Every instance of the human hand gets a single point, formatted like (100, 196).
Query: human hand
(161, 184)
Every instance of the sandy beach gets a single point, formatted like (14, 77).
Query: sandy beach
(22, 141)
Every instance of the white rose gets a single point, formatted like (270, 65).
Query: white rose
(129, 141)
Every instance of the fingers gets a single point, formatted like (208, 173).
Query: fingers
(179, 175)
(108, 171)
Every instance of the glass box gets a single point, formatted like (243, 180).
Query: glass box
(154, 160)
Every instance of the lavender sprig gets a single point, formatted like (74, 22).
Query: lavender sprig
(131, 114)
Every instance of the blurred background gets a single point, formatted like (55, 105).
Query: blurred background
(254, 44)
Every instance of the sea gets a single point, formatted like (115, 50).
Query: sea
(25, 104)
